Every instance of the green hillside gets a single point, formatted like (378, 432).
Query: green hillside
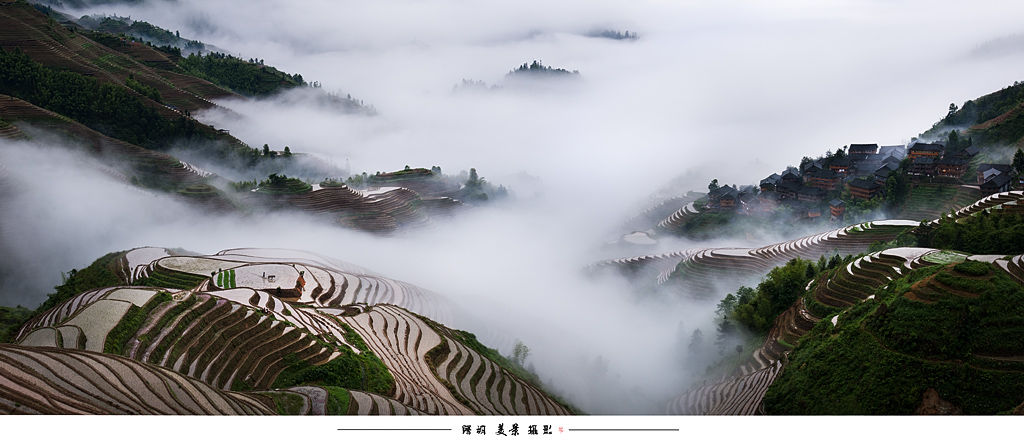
(993, 119)
(952, 328)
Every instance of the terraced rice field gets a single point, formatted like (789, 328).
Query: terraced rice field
(699, 269)
(736, 396)
(742, 391)
(674, 223)
(1008, 202)
(945, 257)
(659, 266)
(62, 381)
(490, 389)
(224, 334)
(368, 403)
(402, 341)
(928, 201)
(195, 265)
(1013, 266)
(380, 210)
(116, 298)
(656, 213)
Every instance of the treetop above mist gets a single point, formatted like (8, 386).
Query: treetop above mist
(527, 71)
(613, 34)
(539, 69)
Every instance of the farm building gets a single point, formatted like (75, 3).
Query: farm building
(865, 189)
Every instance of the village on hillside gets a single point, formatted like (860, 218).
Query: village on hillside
(865, 177)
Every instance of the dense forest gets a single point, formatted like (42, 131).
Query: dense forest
(251, 78)
(108, 109)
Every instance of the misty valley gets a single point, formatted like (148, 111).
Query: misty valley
(196, 219)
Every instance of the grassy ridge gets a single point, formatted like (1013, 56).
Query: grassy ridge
(363, 371)
(921, 331)
(99, 274)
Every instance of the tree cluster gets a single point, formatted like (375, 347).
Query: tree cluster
(538, 68)
(108, 109)
(243, 77)
(757, 308)
(983, 233)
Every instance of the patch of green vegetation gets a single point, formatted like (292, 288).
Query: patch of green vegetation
(944, 257)
(985, 233)
(226, 279)
(162, 278)
(332, 184)
(287, 403)
(886, 352)
(757, 309)
(282, 185)
(124, 27)
(906, 238)
(99, 274)
(708, 225)
(147, 91)
(469, 340)
(117, 338)
(337, 401)
(973, 267)
(982, 109)
(251, 78)
(106, 108)
(179, 329)
(927, 201)
(818, 309)
(170, 315)
(11, 320)
(363, 372)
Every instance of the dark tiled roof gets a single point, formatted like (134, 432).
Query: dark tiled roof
(894, 150)
(836, 202)
(788, 187)
(996, 182)
(841, 162)
(952, 161)
(772, 179)
(997, 166)
(865, 184)
(866, 149)
(722, 190)
(826, 174)
(811, 191)
(927, 147)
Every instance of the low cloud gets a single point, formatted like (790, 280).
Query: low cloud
(729, 90)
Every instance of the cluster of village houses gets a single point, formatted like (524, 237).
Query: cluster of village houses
(863, 170)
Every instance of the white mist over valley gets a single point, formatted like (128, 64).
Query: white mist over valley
(732, 91)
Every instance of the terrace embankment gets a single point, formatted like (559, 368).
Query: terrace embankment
(50, 381)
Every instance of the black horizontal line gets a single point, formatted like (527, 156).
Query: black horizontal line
(391, 429)
(626, 430)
